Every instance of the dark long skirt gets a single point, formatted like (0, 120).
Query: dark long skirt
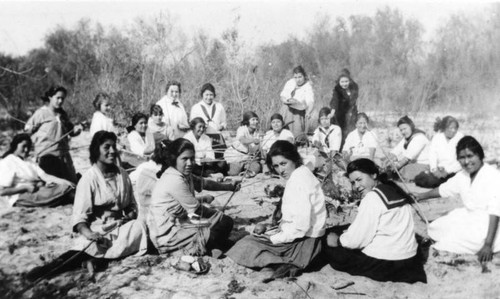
(253, 252)
(61, 167)
(298, 126)
(356, 262)
(427, 179)
(47, 196)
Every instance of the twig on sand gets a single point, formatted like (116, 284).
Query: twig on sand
(18, 294)
(304, 290)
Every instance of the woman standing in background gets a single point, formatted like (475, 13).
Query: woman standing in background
(47, 126)
(298, 98)
(344, 103)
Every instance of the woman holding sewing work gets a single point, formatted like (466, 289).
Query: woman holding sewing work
(104, 212)
(178, 220)
(214, 115)
(51, 128)
(297, 240)
(205, 165)
(472, 229)
(243, 154)
(298, 100)
(380, 244)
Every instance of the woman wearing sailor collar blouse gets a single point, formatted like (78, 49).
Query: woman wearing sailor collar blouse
(174, 113)
(214, 115)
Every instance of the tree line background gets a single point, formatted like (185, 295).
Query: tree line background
(457, 70)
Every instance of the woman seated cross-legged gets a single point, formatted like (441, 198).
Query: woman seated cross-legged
(380, 244)
(297, 240)
(205, 163)
(177, 219)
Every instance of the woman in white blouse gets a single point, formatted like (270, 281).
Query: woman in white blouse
(360, 143)
(411, 155)
(297, 240)
(174, 113)
(141, 141)
(442, 154)
(277, 132)
(205, 163)
(214, 115)
(298, 98)
(101, 120)
(472, 229)
(380, 243)
(242, 154)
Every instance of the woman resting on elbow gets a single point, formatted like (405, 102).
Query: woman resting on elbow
(380, 243)
(178, 220)
(24, 183)
(472, 229)
(298, 238)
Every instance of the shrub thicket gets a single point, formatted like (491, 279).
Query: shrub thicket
(395, 69)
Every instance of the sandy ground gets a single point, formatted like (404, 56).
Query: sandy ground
(32, 237)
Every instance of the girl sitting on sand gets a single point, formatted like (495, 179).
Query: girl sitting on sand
(327, 136)
(104, 212)
(241, 154)
(472, 229)
(360, 143)
(442, 154)
(297, 240)
(141, 141)
(23, 183)
(411, 156)
(277, 132)
(380, 243)
(178, 220)
(157, 127)
(101, 120)
(205, 155)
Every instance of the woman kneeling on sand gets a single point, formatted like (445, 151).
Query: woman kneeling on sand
(103, 212)
(178, 220)
(472, 229)
(380, 243)
(298, 238)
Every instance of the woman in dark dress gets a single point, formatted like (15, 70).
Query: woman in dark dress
(344, 102)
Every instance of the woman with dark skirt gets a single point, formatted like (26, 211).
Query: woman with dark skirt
(380, 244)
(344, 102)
(297, 240)
(50, 127)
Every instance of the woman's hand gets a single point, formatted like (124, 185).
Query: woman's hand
(485, 254)
(206, 198)
(31, 188)
(332, 240)
(92, 236)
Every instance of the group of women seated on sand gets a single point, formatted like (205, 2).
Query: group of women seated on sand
(109, 213)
